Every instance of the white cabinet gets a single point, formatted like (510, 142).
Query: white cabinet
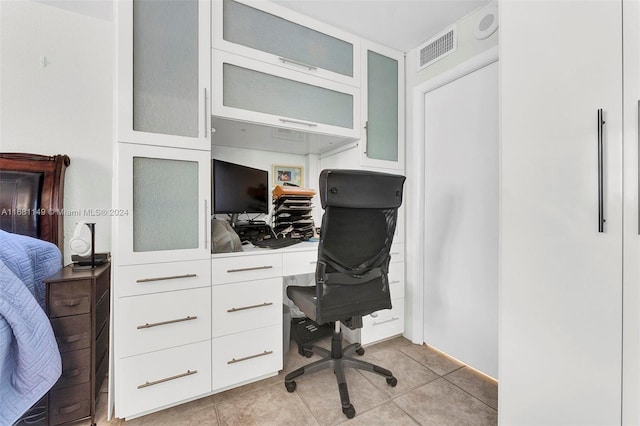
(248, 90)
(163, 72)
(277, 35)
(382, 144)
(164, 194)
(561, 276)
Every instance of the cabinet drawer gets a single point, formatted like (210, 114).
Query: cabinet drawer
(396, 279)
(69, 403)
(157, 321)
(37, 415)
(383, 324)
(102, 345)
(102, 312)
(286, 98)
(244, 356)
(73, 332)
(102, 284)
(397, 252)
(301, 262)
(153, 380)
(281, 36)
(245, 306)
(69, 298)
(76, 368)
(159, 277)
(246, 268)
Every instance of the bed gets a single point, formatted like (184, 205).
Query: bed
(31, 240)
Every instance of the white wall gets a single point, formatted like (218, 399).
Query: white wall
(64, 107)
(468, 47)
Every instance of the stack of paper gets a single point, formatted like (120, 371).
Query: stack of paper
(292, 212)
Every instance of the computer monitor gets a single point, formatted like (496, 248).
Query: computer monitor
(239, 189)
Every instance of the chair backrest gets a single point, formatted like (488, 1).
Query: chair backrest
(358, 225)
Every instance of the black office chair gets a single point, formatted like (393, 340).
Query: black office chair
(359, 221)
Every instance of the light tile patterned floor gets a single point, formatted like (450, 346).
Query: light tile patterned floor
(432, 390)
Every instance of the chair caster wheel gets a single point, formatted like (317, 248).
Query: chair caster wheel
(360, 351)
(307, 353)
(291, 386)
(350, 412)
(392, 381)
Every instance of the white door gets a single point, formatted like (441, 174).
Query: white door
(561, 278)
(461, 219)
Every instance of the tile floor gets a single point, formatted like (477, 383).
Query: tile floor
(432, 389)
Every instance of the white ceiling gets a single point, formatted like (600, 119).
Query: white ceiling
(401, 24)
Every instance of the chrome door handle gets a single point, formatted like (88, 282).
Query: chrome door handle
(601, 123)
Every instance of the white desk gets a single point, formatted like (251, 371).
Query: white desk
(247, 300)
(247, 310)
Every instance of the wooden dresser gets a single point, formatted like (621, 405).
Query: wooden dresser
(78, 307)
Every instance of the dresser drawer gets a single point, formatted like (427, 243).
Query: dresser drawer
(396, 279)
(383, 324)
(153, 380)
(102, 312)
(70, 403)
(76, 368)
(397, 252)
(102, 345)
(300, 262)
(158, 321)
(246, 268)
(69, 298)
(160, 277)
(247, 305)
(103, 283)
(73, 332)
(244, 356)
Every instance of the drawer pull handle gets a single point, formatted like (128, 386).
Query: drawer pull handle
(384, 322)
(70, 408)
(255, 268)
(313, 262)
(157, 382)
(155, 324)
(284, 120)
(73, 338)
(300, 64)
(394, 253)
(394, 282)
(233, 361)
(72, 373)
(250, 307)
(174, 277)
(71, 302)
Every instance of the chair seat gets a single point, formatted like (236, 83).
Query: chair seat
(304, 298)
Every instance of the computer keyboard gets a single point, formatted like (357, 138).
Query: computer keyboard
(277, 243)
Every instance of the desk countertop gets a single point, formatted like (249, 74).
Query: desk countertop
(248, 251)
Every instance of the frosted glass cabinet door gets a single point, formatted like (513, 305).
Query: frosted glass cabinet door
(383, 107)
(249, 90)
(164, 72)
(278, 35)
(163, 197)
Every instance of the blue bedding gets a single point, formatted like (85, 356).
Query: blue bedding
(29, 358)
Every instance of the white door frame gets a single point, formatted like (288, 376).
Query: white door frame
(415, 248)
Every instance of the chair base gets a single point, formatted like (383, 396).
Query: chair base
(338, 359)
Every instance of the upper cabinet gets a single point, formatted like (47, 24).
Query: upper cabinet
(262, 93)
(164, 73)
(277, 35)
(382, 107)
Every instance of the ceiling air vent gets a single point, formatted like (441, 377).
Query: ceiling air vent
(437, 48)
